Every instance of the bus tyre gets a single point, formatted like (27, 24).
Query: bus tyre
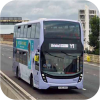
(17, 73)
(31, 81)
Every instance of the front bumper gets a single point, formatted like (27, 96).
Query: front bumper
(70, 85)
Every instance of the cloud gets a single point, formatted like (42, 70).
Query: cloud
(39, 8)
(6, 29)
(35, 9)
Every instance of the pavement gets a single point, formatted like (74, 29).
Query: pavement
(91, 80)
(92, 63)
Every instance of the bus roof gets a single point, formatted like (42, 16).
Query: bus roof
(41, 20)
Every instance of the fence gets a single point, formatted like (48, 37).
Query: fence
(92, 58)
(87, 57)
(13, 90)
(6, 42)
(6, 37)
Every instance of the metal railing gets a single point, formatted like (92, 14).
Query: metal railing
(92, 58)
(16, 88)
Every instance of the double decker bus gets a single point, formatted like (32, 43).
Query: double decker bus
(48, 53)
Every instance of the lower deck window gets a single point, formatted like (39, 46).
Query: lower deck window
(21, 56)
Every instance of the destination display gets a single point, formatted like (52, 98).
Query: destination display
(63, 46)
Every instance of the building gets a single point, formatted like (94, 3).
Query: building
(6, 37)
(11, 20)
(84, 15)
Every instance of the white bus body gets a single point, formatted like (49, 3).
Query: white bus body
(48, 53)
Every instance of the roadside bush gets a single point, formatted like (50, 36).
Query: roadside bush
(88, 51)
(96, 52)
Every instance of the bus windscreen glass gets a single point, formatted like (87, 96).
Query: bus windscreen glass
(61, 64)
(61, 29)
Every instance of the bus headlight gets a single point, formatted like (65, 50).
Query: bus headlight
(81, 74)
(80, 77)
(42, 74)
(44, 77)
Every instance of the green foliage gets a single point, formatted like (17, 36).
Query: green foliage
(89, 52)
(96, 52)
(94, 36)
(98, 44)
(92, 40)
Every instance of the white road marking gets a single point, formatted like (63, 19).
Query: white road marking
(84, 89)
(7, 49)
(6, 45)
(92, 64)
(94, 74)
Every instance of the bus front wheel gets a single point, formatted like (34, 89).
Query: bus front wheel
(17, 73)
(31, 81)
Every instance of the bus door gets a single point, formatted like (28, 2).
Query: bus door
(36, 72)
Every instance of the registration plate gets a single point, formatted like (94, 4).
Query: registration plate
(62, 87)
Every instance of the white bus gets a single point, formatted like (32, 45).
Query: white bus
(48, 53)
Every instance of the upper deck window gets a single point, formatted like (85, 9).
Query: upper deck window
(61, 29)
(29, 31)
(25, 31)
(19, 31)
(37, 34)
(15, 31)
(33, 31)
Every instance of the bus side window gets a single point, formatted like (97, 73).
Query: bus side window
(19, 29)
(14, 31)
(33, 31)
(29, 31)
(15, 52)
(17, 56)
(21, 33)
(37, 35)
(25, 31)
(20, 56)
(24, 55)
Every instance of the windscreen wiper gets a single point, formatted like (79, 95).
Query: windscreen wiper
(53, 55)
(68, 54)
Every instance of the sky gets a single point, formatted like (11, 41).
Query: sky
(35, 9)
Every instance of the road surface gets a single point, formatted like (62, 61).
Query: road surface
(91, 80)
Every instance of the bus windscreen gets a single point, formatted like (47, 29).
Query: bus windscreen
(62, 29)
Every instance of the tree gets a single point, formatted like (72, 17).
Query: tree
(94, 36)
